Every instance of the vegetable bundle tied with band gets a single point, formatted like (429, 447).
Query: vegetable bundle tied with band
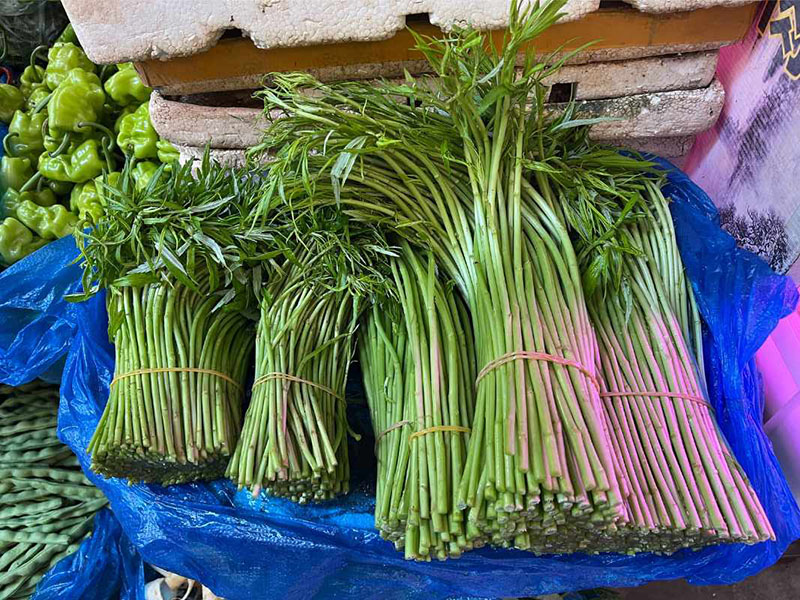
(294, 438)
(177, 258)
(174, 408)
(471, 167)
(682, 486)
(447, 169)
(417, 357)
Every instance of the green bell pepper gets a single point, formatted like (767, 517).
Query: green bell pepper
(68, 35)
(11, 100)
(25, 134)
(167, 153)
(136, 134)
(44, 197)
(15, 171)
(128, 110)
(51, 144)
(37, 95)
(125, 87)
(60, 188)
(62, 58)
(16, 241)
(9, 203)
(78, 99)
(87, 199)
(82, 164)
(49, 222)
(142, 173)
(32, 78)
(12, 200)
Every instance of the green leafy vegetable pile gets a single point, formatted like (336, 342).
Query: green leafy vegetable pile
(177, 258)
(548, 239)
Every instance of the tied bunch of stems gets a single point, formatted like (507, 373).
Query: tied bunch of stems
(294, 438)
(47, 505)
(418, 362)
(683, 488)
(446, 165)
(172, 425)
(180, 259)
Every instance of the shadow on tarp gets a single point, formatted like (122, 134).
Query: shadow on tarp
(245, 549)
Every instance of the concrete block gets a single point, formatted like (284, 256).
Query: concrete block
(669, 6)
(195, 125)
(672, 66)
(624, 78)
(119, 30)
(661, 114)
(116, 30)
(673, 114)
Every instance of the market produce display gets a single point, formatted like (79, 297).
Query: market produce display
(528, 218)
(531, 349)
(46, 503)
(181, 314)
(70, 123)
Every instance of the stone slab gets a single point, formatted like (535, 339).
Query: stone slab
(674, 113)
(625, 78)
(119, 30)
(115, 30)
(661, 114)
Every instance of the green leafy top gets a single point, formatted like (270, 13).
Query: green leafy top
(326, 133)
(600, 192)
(324, 247)
(183, 227)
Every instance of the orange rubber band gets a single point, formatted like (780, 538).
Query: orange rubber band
(453, 428)
(397, 425)
(528, 355)
(175, 370)
(696, 399)
(293, 379)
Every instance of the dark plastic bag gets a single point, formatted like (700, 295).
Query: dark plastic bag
(245, 549)
(105, 567)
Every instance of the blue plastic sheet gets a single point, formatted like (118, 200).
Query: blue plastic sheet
(106, 566)
(244, 549)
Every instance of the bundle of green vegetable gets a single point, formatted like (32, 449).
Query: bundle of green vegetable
(448, 167)
(177, 258)
(683, 486)
(418, 361)
(69, 123)
(294, 439)
(46, 503)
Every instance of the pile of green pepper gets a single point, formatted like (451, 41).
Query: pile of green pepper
(71, 125)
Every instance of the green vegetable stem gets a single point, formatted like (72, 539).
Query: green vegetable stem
(418, 361)
(181, 315)
(294, 438)
(175, 407)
